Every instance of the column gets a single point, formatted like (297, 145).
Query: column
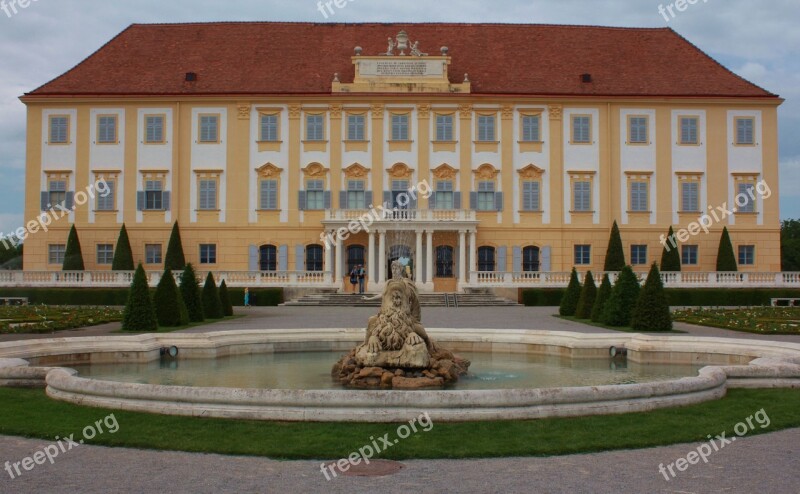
(329, 261)
(462, 257)
(371, 259)
(381, 257)
(418, 259)
(429, 259)
(337, 278)
(473, 251)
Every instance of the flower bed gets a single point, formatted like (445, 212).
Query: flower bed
(46, 319)
(762, 320)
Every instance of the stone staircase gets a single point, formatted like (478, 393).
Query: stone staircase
(453, 300)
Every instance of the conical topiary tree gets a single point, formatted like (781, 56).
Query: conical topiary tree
(726, 260)
(670, 257)
(123, 255)
(225, 300)
(190, 292)
(569, 303)
(170, 309)
(588, 294)
(139, 313)
(615, 257)
(603, 294)
(619, 307)
(73, 257)
(175, 259)
(652, 309)
(212, 307)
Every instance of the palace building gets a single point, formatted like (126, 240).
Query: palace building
(522, 144)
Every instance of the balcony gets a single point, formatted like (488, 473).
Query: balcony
(390, 215)
(123, 279)
(488, 279)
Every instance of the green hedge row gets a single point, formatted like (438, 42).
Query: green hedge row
(690, 297)
(264, 297)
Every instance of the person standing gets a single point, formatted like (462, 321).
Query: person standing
(362, 274)
(247, 297)
(354, 278)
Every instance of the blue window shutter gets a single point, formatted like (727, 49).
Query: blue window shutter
(368, 199)
(387, 199)
(300, 257)
(545, 260)
(326, 198)
(498, 201)
(501, 259)
(473, 200)
(517, 255)
(45, 201)
(69, 203)
(343, 199)
(432, 201)
(456, 200)
(283, 258)
(165, 200)
(140, 200)
(252, 258)
(301, 200)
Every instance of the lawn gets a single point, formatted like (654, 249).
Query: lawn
(760, 320)
(47, 319)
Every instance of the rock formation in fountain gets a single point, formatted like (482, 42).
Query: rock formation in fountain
(397, 352)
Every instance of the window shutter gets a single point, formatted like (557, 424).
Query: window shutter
(412, 203)
(368, 199)
(165, 198)
(498, 201)
(456, 200)
(387, 199)
(326, 198)
(517, 259)
(343, 199)
(140, 200)
(300, 257)
(301, 200)
(432, 201)
(501, 259)
(45, 200)
(283, 258)
(545, 259)
(69, 203)
(252, 258)
(473, 200)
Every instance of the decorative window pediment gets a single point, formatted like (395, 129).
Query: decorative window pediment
(356, 170)
(531, 172)
(400, 170)
(445, 172)
(486, 172)
(268, 170)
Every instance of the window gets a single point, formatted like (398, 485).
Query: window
(444, 127)
(531, 128)
(582, 196)
(444, 195)
(745, 131)
(689, 255)
(530, 196)
(208, 253)
(744, 200)
(154, 129)
(581, 129)
(486, 196)
(55, 253)
(530, 259)
(638, 255)
(583, 255)
(400, 190)
(486, 124)
(747, 255)
(268, 258)
(637, 130)
(315, 127)
(208, 194)
(639, 199)
(486, 259)
(107, 129)
(105, 254)
(315, 195)
(57, 193)
(689, 130)
(108, 201)
(269, 195)
(152, 253)
(355, 257)
(444, 261)
(356, 196)
(314, 258)
(59, 130)
(209, 128)
(399, 127)
(269, 128)
(355, 128)
(690, 197)
(153, 195)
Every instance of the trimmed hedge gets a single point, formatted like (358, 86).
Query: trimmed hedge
(260, 297)
(265, 297)
(679, 297)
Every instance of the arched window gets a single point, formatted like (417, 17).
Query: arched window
(486, 260)
(444, 261)
(268, 258)
(314, 258)
(355, 257)
(530, 259)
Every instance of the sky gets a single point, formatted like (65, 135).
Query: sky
(48, 37)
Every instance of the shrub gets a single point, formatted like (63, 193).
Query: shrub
(615, 256)
(652, 309)
(603, 294)
(190, 292)
(569, 304)
(225, 299)
(262, 297)
(542, 297)
(588, 294)
(619, 308)
(212, 307)
(73, 257)
(670, 257)
(175, 260)
(139, 313)
(170, 309)
(726, 260)
(123, 255)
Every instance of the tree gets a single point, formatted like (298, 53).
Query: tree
(726, 260)
(588, 294)
(190, 292)
(225, 299)
(569, 302)
(212, 307)
(73, 257)
(170, 310)
(175, 259)
(615, 256)
(123, 255)
(10, 253)
(139, 313)
(652, 309)
(603, 294)
(620, 304)
(790, 245)
(670, 257)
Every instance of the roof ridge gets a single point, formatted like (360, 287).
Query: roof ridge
(409, 23)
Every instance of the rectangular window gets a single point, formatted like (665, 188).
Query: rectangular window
(486, 196)
(747, 191)
(639, 199)
(637, 130)
(690, 197)
(581, 129)
(209, 128)
(355, 128)
(269, 128)
(531, 128)
(315, 127)
(59, 130)
(444, 127)
(444, 195)
(399, 127)
(638, 255)
(583, 255)
(109, 201)
(582, 196)
(105, 254)
(153, 195)
(745, 131)
(152, 253)
(747, 255)
(400, 190)
(208, 253)
(154, 129)
(486, 125)
(315, 195)
(689, 130)
(57, 192)
(55, 253)
(689, 255)
(530, 196)
(269, 195)
(107, 129)
(356, 196)
(208, 194)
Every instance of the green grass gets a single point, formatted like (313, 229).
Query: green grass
(757, 320)
(624, 329)
(47, 319)
(30, 413)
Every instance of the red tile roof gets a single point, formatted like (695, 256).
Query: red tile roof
(301, 58)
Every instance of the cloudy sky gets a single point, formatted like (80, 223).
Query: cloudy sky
(757, 40)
